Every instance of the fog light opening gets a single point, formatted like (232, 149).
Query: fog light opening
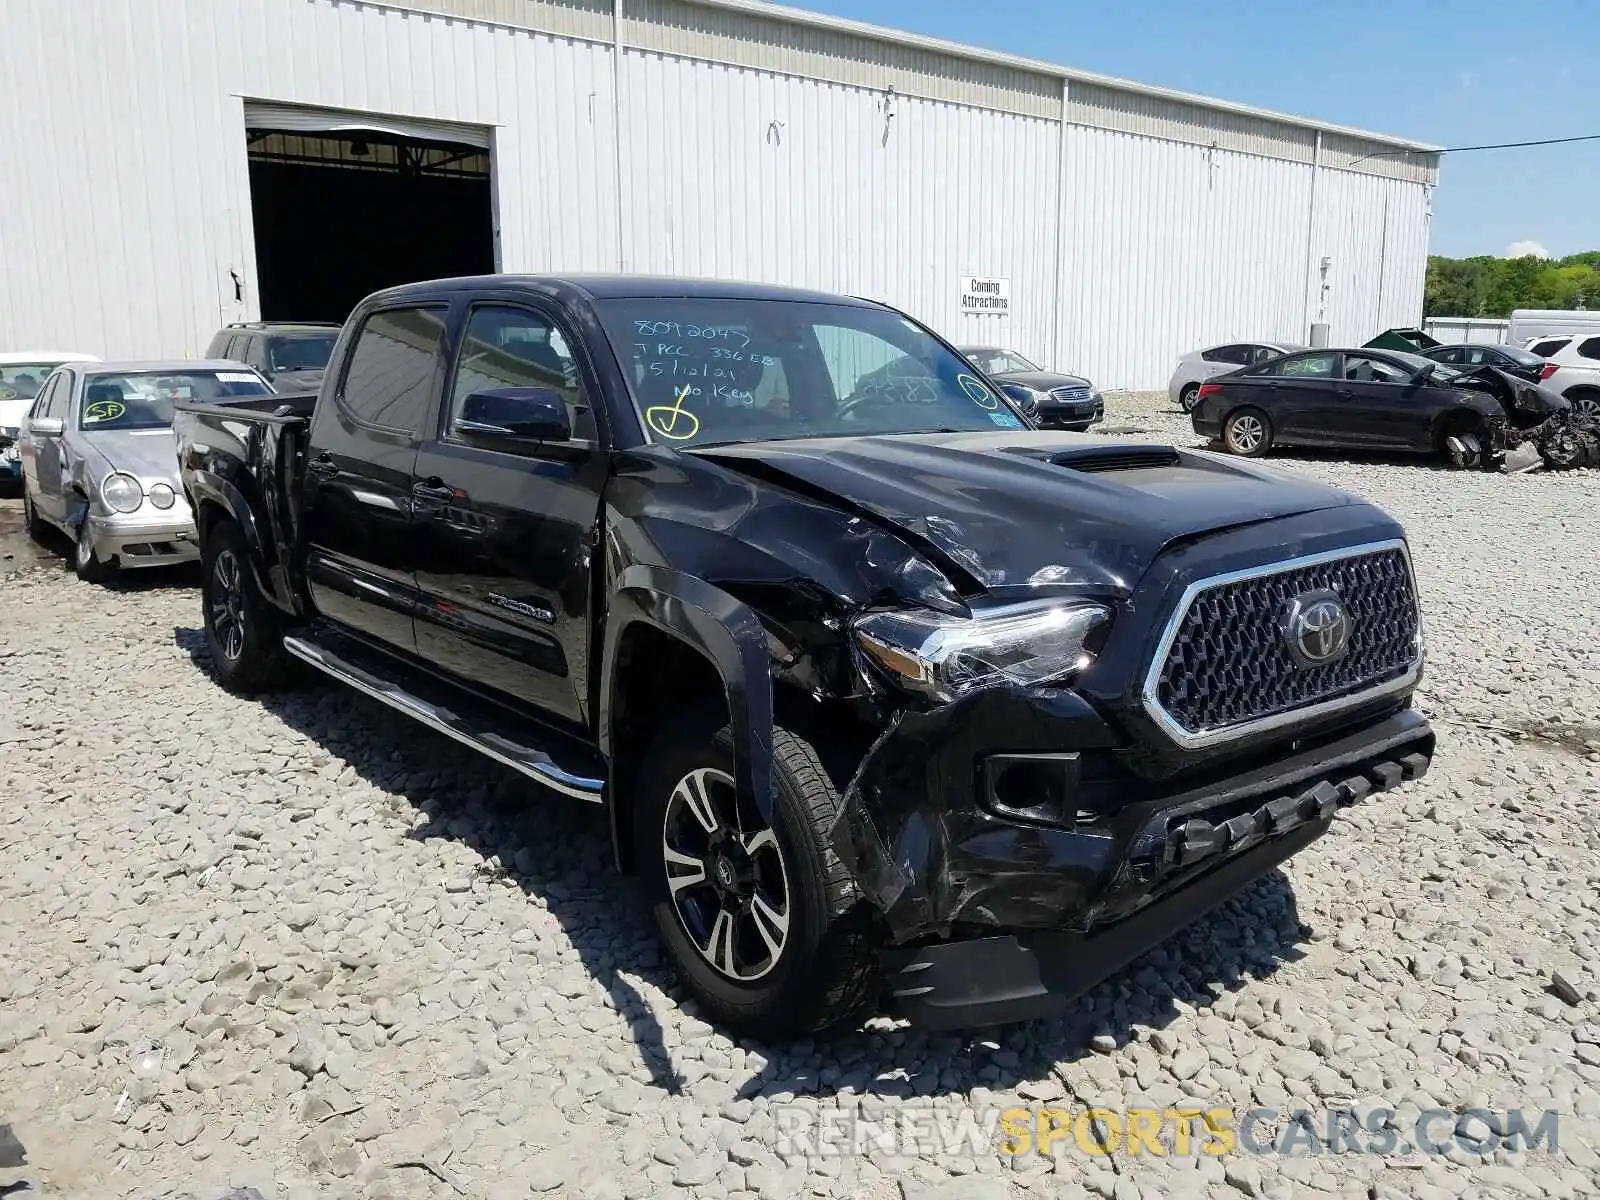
(1041, 788)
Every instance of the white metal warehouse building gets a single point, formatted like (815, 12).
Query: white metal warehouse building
(167, 166)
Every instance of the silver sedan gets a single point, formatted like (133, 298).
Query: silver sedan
(1198, 366)
(99, 462)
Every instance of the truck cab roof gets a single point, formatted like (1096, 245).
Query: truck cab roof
(621, 287)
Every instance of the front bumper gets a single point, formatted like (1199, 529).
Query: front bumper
(1071, 416)
(140, 540)
(1184, 860)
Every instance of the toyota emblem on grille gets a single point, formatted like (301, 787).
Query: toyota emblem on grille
(1316, 628)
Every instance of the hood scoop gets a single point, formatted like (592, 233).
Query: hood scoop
(1116, 458)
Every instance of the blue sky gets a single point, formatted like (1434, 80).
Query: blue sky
(1449, 72)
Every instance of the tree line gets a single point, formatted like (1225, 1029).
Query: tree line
(1484, 286)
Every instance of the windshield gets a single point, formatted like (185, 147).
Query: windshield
(143, 400)
(998, 362)
(300, 353)
(22, 381)
(709, 371)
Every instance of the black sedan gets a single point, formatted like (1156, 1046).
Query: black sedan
(1056, 400)
(1356, 399)
(1513, 360)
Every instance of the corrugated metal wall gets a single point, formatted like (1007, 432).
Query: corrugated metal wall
(1132, 227)
(122, 235)
(1169, 247)
(816, 184)
(1485, 331)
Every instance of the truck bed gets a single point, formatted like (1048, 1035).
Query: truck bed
(277, 408)
(241, 459)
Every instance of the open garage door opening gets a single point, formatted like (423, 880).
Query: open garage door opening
(340, 213)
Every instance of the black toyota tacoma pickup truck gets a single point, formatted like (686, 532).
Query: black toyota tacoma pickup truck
(895, 701)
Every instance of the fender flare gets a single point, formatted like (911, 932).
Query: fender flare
(207, 487)
(724, 629)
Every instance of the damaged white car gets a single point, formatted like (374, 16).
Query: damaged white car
(98, 460)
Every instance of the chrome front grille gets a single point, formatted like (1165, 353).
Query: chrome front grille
(1223, 668)
(1070, 395)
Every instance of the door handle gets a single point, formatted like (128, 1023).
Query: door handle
(433, 489)
(323, 465)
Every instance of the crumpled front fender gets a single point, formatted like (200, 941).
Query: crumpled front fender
(925, 851)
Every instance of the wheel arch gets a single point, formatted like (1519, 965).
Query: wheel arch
(671, 640)
(1584, 391)
(212, 497)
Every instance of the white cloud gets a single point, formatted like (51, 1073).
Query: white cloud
(1526, 250)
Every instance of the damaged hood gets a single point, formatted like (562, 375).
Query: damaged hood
(1032, 510)
(1527, 397)
(150, 455)
(1041, 381)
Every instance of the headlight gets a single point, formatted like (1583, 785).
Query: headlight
(162, 496)
(121, 493)
(943, 657)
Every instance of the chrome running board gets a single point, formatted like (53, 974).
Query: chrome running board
(536, 764)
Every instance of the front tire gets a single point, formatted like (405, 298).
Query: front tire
(38, 529)
(244, 633)
(1247, 433)
(88, 565)
(1189, 397)
(764, 926)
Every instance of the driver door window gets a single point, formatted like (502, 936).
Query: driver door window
(516, 348)
(41, 406)
(1358, 368)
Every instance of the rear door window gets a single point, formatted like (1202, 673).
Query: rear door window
(1305, 366)
(393, 372)
(1589, 348)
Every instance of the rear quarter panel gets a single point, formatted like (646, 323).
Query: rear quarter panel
(239, 462)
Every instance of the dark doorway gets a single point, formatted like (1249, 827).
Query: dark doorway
(338, 216)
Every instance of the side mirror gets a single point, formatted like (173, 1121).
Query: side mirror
(532, 414)
(46, 426)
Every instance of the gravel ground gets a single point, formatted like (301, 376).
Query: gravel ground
(363, 965)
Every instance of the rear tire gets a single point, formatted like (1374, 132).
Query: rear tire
(1247, 432)
(761, 965)
(244, 632)
(1189, 397)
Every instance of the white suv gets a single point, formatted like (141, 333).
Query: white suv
(1572, 367)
